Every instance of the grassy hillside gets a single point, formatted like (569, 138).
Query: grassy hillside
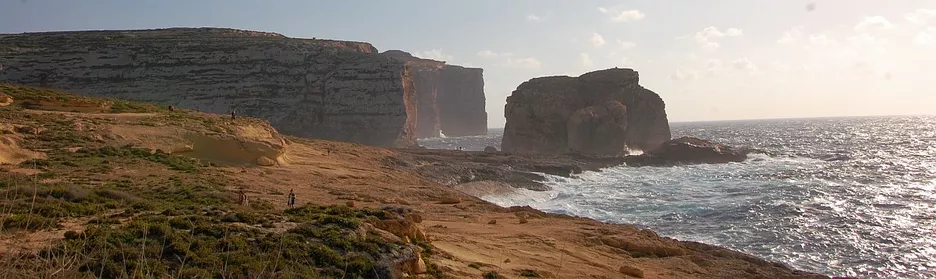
(88, 204)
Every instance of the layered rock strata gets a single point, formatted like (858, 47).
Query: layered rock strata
(306, 87)
(450, 98)
(603, 113)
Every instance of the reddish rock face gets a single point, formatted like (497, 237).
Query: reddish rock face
(562, 114)
(688, 150)
(450, 99)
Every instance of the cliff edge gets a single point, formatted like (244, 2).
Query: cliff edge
(314, 88)
(603, 112)
(450, 98)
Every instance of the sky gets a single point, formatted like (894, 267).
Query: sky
(708, 60)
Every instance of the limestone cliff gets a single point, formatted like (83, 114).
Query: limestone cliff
(461, 101)
(603, 112)
(306, 87)
(450, 98)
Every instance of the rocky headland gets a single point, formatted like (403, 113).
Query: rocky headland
(450, 98)
(605, 113)
(107, 188)
(325, 89)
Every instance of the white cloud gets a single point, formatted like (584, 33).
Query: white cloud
(873, 23)
(927, 37)
(435, 54)
(713, 67)
(597, 40)
(627, 44)
(525, 63)
(532, 17)
(744, 64)
(621, 15)
(706, 37)
(489, 54)
(791, 36)
(820, 40)
(921, 16)
(868, 43)
(586, 60)
(684, 74)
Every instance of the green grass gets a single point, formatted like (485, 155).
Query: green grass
(155, 215)
(25, 95)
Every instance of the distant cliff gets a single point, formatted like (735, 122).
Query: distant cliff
(450, 98)
(324, 89)
(602, 113)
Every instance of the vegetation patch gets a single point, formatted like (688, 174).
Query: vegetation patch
(156, 215)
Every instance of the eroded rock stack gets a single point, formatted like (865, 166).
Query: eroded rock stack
(450, 98)
(325, 89)
(601, 113)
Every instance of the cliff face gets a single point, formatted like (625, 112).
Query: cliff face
(314, 88)
(603, 112)
(450, 98)
(461, 102)
(425, 73)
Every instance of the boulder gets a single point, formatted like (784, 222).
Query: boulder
(490, 149)
(604, 112)
(688, 150)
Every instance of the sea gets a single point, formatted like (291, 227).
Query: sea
(851, 196)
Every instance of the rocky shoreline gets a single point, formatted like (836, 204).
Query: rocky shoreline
(522, 170)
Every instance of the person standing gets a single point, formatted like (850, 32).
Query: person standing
(243, 198)
(291, 201)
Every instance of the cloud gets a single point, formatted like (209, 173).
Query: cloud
(921, 16)
(927, 37)
(532, 17)
(820, 40)
(791, 36)
(873, 23)
(586, 60)
(626, 44)
(706, 37)
(525, 63)
(684, 74)
(435, 54)
(489, 54)
(597, 40)
(744, 64)
(621, 15)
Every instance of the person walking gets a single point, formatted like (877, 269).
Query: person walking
(291, 201)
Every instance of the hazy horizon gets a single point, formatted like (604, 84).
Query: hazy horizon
(709, 61)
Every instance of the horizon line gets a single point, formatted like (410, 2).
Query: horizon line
(788, 118)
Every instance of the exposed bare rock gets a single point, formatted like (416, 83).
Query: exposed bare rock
(688, 150)
(450, 98)
(461, 102)
(5, 100)
(315, 88)
(539, 114)
(598, 129)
